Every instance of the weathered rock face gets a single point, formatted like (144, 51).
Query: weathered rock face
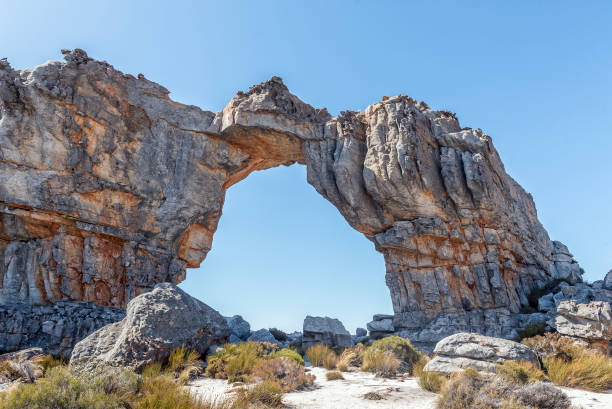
(592, 321)
(54, 328)
(325, 330)
(107, 187)
(460, 351)
(156, 323)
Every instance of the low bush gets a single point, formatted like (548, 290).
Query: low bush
(285, 372)
(334, 376)
(471, 390)
(520, 372)
(542, 396)
(278, 334)
(316, 353)
(49, 361)
(532, 330)
(288, 353)
(553, 345)
(430, 381)
(382, 363)
(59, 389)
(400, 347)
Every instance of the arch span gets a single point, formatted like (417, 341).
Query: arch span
(107, 187)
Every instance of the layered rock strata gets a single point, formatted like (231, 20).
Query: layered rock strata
(108, 187)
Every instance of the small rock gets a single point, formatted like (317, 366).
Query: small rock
(239, 326)
(263, 335)
(361, 332)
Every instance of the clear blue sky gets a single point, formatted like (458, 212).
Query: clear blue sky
(536, 76)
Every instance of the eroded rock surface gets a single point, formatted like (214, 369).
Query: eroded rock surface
(156, 323)
(592, 321)
(108, 187)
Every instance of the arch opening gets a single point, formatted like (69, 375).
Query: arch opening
(281, 251)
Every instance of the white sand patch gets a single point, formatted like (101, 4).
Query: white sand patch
(348, 393)
(589, 400)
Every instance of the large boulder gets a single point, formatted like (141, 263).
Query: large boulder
(239, 326)
(263, 335)
(325, 330)
(465, 350)
(156, 322)
(592, 321)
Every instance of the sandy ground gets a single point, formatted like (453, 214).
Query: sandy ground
(348, 393)
(589, 400)
(339, 394)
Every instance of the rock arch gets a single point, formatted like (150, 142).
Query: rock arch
(107, 187)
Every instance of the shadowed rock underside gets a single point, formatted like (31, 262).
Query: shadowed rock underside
(108, 187)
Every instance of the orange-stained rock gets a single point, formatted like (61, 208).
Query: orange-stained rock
(108, 187)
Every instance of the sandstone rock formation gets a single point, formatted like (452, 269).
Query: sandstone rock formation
(460, 351)
(54, 328)
(156, 323)
(325, 330)
(108, 187)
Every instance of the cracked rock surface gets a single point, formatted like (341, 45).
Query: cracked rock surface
(108, 187)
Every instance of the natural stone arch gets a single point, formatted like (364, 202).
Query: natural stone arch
(107, 187)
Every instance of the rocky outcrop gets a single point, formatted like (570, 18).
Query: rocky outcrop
(607, 282)
(156, 323)
(239, 327)
(381, 326)
(54, 328)
(463, 350)
(592, 321)
(326, 331)
(263, 335)
(108, 187)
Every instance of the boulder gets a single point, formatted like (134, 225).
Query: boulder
(156, 322)
(325, 330)
(607, 282)
(263, 335)
(592, 321)
(466, 350)
(361, 332)
(384, 325)
(239, 326)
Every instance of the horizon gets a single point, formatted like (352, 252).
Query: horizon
(296, 253)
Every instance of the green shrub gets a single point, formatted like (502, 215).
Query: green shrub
(59, 390)
(334, 376)
(520, 372)
(288, 353)
(182, 358)
(401, 348)
(235, 362)
(532, 330)
(278, 334)
(317, 353)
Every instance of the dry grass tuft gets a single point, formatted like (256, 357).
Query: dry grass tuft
(382, 363)
(590, 371)
(317, 353)
(334, 376)
(430, 381)
(520, 372)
